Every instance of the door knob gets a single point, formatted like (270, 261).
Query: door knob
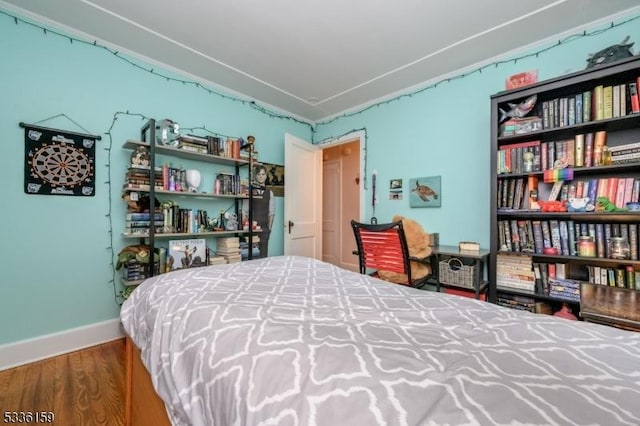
(290, 226)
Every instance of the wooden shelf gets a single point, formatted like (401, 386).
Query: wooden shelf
(181, 153)
(191, 194)
(189, 234)
(130, 283)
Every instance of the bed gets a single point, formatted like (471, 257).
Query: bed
(289, 340)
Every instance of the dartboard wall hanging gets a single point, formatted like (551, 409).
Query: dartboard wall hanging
(58, 162)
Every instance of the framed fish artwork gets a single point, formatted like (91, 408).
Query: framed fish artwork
(425, 192)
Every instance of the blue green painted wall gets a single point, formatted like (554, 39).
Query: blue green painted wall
(55, 256)
(444, 130)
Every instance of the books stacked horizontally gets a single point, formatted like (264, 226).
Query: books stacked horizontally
(137, 177)
(515, 301)
(565, 289)
(515, 272)
(138, 223)
(628, 153)
(193, 143)
(229, 248)
(217, 260)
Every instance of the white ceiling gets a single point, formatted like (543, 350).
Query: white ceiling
(317, 58)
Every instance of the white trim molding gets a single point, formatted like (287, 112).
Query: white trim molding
(26, 351)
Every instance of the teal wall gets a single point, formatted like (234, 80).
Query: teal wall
(56, 253)
(444, 130)
(55, 257)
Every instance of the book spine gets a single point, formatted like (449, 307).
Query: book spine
(571, 230)
(546, 234)
(635, 194)
(579, 147)
(564, 238)
(588, 149)
(600, 240)
(586, 106)
(633, 241)
(555, 235)
(633, 96)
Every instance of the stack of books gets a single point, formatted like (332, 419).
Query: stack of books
(137, 177)
(193, 143)
(515, 301)
(229, 248)
(565, 289)
(217, 260)
(627, 153)
(515, 272)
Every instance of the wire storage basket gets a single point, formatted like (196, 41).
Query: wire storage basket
(455, 272)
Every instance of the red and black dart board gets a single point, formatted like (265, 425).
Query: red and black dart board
(59, 163)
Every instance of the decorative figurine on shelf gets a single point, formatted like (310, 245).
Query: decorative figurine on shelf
(553, 206)
(140, 156)
(231, 221)
(168, 132)
(603, 204)
(139, 253)
(193, 179)
(528, 161)
(138, 202)
(580, 205)
(519, 110)
(565, 312)
(611, 54)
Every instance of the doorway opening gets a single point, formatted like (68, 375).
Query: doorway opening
(342, 185)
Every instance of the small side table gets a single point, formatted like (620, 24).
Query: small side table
(477, 258)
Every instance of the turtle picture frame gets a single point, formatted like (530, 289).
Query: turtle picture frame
(425, 192)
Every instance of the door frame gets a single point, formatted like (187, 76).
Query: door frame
(351, 137)
(358, 136)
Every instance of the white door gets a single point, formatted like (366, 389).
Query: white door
(302, 198)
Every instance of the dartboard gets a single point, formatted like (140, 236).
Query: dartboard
(58, 163)
(61, 165)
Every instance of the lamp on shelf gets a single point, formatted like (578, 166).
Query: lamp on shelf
(193, 180)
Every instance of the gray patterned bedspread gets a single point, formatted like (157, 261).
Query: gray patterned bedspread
(295, 341)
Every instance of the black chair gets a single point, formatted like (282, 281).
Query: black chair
(383, 247)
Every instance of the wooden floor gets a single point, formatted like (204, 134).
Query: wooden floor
(81, 388)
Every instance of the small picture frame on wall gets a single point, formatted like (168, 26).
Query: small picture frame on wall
(425, 192)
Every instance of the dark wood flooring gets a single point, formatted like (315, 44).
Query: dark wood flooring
(81, 388)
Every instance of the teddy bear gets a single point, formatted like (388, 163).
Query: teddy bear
(418, 244)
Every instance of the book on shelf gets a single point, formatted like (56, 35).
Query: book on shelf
(217, 260)
(579, 150)
(187, 253)
(607, 102)
(555, 191)
(633, 97)
(469, 245)
(565, 288)
(143, 216)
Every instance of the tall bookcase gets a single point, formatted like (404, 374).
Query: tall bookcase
(577, 113)
(207, 197)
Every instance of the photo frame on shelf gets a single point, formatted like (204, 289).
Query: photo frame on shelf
(425, 192)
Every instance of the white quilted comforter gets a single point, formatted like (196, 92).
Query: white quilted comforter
(295, 341)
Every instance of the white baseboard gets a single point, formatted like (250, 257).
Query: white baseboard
(49, 345)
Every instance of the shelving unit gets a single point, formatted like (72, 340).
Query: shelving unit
(474, 261)
(147, 140)
(622, 128)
